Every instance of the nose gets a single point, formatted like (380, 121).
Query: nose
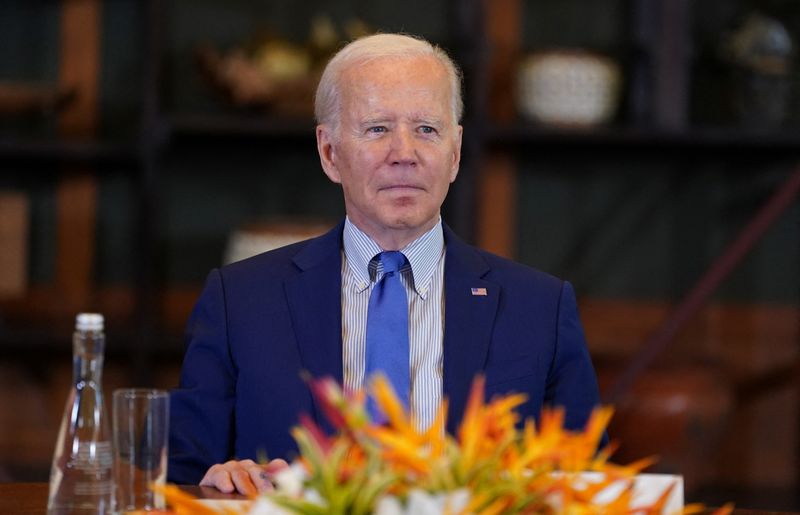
(403, 151)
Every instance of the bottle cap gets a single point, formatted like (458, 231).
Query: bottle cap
(89, 322)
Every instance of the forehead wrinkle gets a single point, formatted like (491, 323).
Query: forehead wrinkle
(368, 94)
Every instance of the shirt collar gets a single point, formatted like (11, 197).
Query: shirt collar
(423, 255)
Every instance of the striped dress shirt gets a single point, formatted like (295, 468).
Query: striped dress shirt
(423, 281)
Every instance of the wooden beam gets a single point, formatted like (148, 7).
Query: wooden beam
(497, 183)
(77, 188)
(76, 198)
(80, 66)
(504, 21)
(497, 205)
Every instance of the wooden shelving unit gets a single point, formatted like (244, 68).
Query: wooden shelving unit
(245, 126)
(486, 39)
(38, 153)
(725, 142)
(656, 127)
(73, 160)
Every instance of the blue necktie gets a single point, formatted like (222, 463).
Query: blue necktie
(387, 330)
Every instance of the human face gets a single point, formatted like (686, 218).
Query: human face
(396, 147)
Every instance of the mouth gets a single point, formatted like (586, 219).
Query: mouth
(401, 188)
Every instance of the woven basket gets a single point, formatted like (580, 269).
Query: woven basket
(569, 88)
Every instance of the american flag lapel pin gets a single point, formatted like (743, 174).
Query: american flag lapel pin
(478, 292)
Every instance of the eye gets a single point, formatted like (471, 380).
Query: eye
(377, 129)
(427, 129)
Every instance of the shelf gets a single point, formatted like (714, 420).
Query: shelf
(520, 136)
(247, 126)
(42, 318)
(732, 140)
(37, 152)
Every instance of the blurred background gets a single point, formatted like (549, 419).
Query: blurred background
(647, 151)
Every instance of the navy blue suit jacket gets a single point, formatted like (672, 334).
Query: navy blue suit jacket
(261, 321)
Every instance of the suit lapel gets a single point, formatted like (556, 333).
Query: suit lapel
(314, 298)
(315, 303)
(469, 318)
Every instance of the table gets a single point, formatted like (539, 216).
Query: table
(31, 499)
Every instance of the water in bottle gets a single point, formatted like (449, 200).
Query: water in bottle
(81, 480)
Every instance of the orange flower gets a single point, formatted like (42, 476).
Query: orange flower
(505, 468)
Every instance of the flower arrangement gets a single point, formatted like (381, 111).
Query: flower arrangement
(491, 466)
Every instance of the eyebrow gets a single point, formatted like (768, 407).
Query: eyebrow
(436, 122)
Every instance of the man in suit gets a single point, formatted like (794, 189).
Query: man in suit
(388, 110)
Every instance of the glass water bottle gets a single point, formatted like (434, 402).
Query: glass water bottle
(81, 480)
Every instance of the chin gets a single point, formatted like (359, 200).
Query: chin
(407, 217)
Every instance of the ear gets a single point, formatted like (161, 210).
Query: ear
(327, 152)
(456, 153)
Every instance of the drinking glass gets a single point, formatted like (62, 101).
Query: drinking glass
(140, 430)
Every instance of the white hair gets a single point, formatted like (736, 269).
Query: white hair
(327, 103)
